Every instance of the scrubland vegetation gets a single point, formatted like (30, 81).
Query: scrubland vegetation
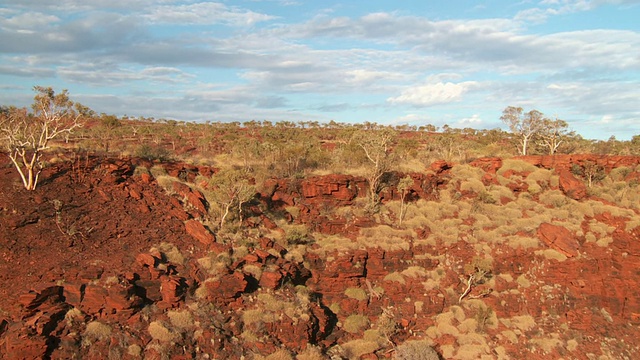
(489, 216)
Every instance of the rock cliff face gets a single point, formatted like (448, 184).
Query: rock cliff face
(101, 262)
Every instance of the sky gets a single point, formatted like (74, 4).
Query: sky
(415, 62)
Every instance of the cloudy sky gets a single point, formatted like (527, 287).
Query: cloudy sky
(392, 62)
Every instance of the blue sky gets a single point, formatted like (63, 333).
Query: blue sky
(453, 62)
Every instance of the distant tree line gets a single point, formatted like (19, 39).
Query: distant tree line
(280, 149)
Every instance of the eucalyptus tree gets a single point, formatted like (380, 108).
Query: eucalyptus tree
(376, 145)
(523, 125)
(27, 134)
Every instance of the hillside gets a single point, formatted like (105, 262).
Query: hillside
(497, 258)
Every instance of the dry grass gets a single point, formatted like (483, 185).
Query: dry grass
(415, 272)
(348, 212)
(74, 315)
(498, 192)
(433, 279)
(293, 210)
(249, 336)
(159, 332)
(632, 224)
(523, 323)
(166, 182)
(551, 254)
(296, 253)
(331, 243)
(310, 353)
(251, 316)
(171, 253)
(539, 179)
(134, 350)
(467, 172)
(598, 207)
(416, 350)
(355, 323)
(572, 345)
(335, 308)
(604, 241)
(554, 198)
(444, 326)
(180, 319)
(280, 354)
(619, 173)
(469, 332)
(95, 331)
(411, 165)
(484, 315)
(254, 270)
(516, 165)
(522, 242)
(215, 263)
(395, 276)
(472, 352)
(271, 303)
(356, 293)
(386, 237)
(158, 171)
(472, 185)
(510, 336)
(547, 344)
(599, 228)
(355, 349)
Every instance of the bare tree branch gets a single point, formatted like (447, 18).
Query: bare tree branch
(26, 135)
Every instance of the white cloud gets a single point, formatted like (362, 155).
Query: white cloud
(606, 119)
(549, 8)
(205, 13)
(433, 94)
(473, 120)
(412, 119)
(364, 77)
(28, 22)
(345, 65)
(109, 74)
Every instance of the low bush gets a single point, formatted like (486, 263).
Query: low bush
(416, 350)
(355, 323)
(148, 152)
(356, 293)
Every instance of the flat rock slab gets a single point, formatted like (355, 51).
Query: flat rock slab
(559, 238)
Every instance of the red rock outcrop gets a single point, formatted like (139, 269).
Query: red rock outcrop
(54, 284)
(194, 200)
(199, 232)
(571, 186)
(559, 238)
(564, 162)
(490, 165)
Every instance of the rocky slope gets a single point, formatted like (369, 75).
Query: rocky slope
(496, 259)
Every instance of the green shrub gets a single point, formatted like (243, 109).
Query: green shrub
(297, 235)
(620, 173)
(148, 152)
